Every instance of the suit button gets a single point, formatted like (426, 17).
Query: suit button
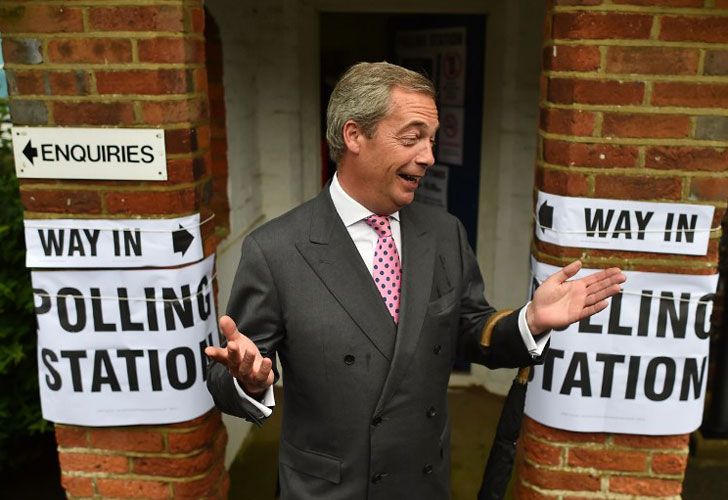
(377, 478)
(431, 412)
(427, 469)
(376, 421)
(437, 349)
(349, 359)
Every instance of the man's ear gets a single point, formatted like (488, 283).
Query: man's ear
(353, 136)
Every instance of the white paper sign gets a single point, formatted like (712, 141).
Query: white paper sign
(637, 367)
(124, 347)
(112, 243)
(441, 54)
(452, 69)
(450, 136)
(89, 153)
(433, 187)
(674, 228)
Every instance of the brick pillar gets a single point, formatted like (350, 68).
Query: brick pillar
(136, 64)
(170, 461)
(630, 109)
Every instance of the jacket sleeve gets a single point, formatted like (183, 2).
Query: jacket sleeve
(506, 349)
(255, 308)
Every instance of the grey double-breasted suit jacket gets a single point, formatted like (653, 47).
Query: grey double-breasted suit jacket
(365, 412)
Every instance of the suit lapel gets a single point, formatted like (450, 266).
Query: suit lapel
(418, 257)
(334, 258)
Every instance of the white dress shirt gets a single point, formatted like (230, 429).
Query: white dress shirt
(352, 214)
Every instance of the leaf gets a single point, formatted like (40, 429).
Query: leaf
(20, 413)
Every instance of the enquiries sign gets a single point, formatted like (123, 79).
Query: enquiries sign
(117, 243)
(89, 153)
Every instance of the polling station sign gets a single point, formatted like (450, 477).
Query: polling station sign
(89, 153)
(124, 347)
(112, 243)
(673, 228)
(637, 367)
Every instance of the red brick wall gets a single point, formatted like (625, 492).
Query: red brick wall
(557, 463)
(632, 107)
(135, 64)
(171, 461)
(65, 67)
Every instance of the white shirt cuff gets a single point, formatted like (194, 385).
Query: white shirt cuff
(535, 346)
(268, 399)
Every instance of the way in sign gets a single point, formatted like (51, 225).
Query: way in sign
(112, 243)
(604, 223)
(84, 242)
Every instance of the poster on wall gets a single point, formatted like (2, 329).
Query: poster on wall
(674, 228)
(80, 243)
(637, 367)
(124, 347)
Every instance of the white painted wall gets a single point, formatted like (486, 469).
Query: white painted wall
(511, 120)
(237, 32)
(271, 76)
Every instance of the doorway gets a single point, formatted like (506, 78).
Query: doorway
(450, 50)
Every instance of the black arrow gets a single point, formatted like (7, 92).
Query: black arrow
(181, 240)
(546, 216)
(30, 152)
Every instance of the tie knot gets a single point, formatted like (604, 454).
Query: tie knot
(380, 223)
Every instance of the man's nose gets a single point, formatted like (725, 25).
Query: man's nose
(426, 156)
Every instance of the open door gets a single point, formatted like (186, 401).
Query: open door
(450, 50)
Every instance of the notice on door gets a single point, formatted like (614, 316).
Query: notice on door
(433, 187)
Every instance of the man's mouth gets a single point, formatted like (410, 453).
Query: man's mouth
(410, 178)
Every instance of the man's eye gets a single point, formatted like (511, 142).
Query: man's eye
(409, 140)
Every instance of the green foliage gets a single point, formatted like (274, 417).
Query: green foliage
(20, 414)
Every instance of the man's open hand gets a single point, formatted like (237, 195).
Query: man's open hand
(243, 359)
(558, 302)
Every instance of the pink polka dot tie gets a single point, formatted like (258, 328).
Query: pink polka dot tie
(386, 271)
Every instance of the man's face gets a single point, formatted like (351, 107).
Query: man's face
(385, 173)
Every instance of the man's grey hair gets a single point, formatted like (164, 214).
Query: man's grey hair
(363, 95)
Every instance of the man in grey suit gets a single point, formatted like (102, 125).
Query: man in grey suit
(367, 298)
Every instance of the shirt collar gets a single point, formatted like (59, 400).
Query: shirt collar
(350, 210)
